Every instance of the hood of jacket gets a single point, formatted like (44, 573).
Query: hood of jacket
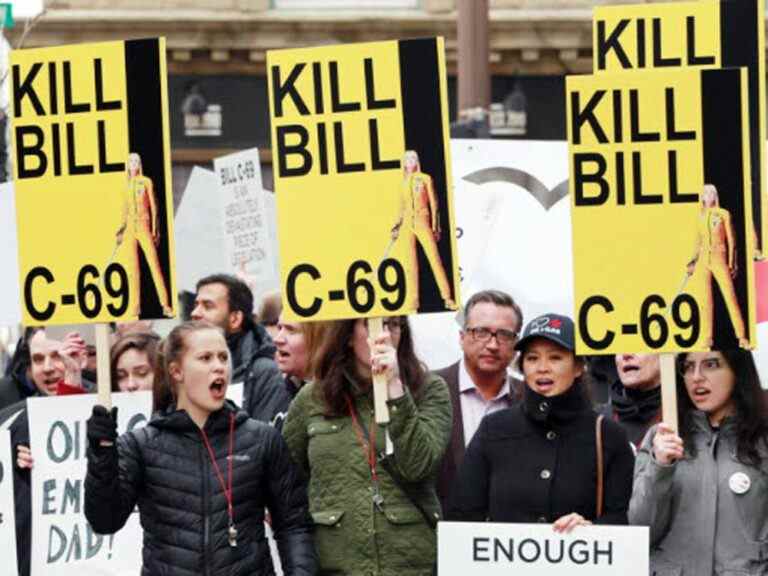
(17, 370)
(247, 347)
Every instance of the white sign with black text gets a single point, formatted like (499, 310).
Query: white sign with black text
(493, 549)
(246, 230)
(63, 543)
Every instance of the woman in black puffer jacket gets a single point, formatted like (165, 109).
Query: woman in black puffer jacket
(202, 473)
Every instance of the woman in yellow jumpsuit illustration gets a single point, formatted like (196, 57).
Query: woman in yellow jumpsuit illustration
(420, 219)
(716, 252)
(139, 229)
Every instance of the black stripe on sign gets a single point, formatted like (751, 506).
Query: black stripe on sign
(723, 167)
(145, 137)
(425, 133)
(739, 46)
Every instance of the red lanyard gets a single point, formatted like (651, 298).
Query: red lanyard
(228, 487)
(370, 449)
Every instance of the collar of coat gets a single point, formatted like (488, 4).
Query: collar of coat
(699, 423)
(180, 421)
(561, 408)
(635, 405)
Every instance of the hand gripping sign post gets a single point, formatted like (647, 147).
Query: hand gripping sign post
(92, 182)
(494, 549)
(662, 217)
(362, 177)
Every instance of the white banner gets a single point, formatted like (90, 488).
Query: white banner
(10, 297)
(63, 542)
(246, 227)
(199, 232)
(7, 513)
(493, 549)
(514, 234)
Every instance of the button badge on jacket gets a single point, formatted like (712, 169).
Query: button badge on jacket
(739, 483)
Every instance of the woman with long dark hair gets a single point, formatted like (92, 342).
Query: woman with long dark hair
(549, 459)
(201, 472)
(374, 508)
(704, 492)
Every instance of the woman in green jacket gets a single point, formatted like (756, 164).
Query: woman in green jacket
(374, 512)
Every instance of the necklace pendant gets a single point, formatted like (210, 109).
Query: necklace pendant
(232, 535)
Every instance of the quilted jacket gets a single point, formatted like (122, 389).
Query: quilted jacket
(353, 535)
(165, 468)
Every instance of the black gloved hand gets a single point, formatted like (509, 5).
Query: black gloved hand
(102, 426)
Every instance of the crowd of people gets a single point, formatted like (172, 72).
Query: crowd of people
(519, 429)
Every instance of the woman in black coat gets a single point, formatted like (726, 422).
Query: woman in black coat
(202, 472)
(537, 461)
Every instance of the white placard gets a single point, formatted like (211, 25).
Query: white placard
(247, 244)
(199, 233)
(10, 296)
(494, 549)
(7, 513)
(62, 540)
(514, 225)
(235, 393)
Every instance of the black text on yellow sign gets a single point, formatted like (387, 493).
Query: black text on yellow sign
(92, 171)
(365, 211)
(659, 165)
(702, 34)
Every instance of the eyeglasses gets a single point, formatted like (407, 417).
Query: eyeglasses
(483, 334)
(707, 366)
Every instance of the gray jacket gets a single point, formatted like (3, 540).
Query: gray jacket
(699, 526)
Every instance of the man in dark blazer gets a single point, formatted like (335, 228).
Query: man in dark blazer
(479, 382)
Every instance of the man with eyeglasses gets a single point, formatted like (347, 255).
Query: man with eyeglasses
(479, 382)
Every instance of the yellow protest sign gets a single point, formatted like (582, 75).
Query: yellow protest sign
(93, 182)
(362, 177)
(662, 240)
(701, 34)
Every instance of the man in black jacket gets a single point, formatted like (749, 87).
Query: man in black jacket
(227, 302)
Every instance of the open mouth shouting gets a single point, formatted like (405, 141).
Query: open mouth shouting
(218, 388)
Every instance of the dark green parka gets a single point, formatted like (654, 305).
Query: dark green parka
(352, 535)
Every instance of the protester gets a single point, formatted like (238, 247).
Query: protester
(132, 360)
(704, 493)
(479, 382)
(54, 367)
(294, 342)
(269, 313)
(374, 513)
(227, 302)
(635, 398)
(539, 460)
(201, 471)
(23, 378)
